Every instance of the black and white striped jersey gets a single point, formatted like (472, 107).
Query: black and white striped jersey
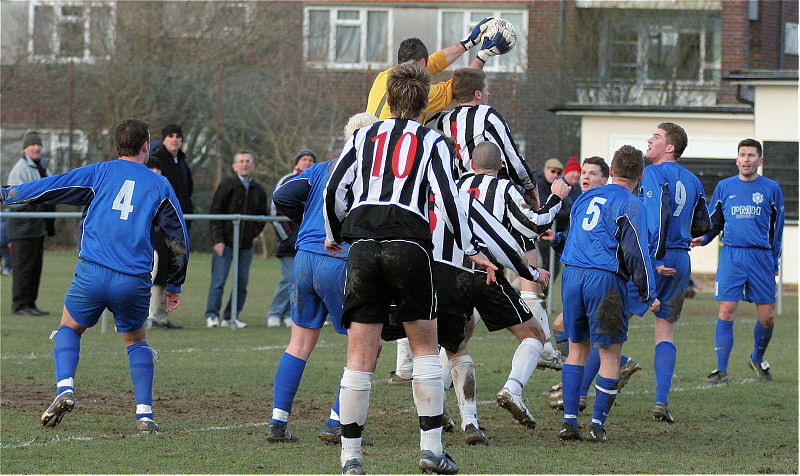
(380, 186)
(468, 126)
(506, 203)
(500, 246)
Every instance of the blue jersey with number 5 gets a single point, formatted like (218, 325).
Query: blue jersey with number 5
(608, 230)
(124, 200)
(676, 208)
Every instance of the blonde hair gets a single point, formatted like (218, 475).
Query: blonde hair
(358, 121)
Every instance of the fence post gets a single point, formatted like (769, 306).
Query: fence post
(235, 291)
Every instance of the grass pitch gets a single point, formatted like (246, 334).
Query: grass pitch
(213, 395)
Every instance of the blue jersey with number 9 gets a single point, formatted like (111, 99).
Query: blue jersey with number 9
(124, 200)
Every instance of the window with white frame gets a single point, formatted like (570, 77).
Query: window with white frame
(347, 37)
(454, 25)
(790, 38)
(688, 53)
(71, 31)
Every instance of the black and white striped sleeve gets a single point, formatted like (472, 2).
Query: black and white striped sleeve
(498, 130)
(336, 191)
(528, 222)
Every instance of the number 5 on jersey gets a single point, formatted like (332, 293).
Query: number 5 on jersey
(123, 200)
(593, 212)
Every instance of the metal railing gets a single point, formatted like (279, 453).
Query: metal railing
(236, 219)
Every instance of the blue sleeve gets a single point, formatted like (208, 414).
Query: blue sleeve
(559, 242)
(290, 197)
(169, 219)
(776, 225)
(715, 215)
(664, 215)
(73, 188)
(635, 259)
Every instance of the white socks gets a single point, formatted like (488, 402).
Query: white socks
(429, 399)
(523, 364)
(463, 373)
(403, 365)
(353, 408)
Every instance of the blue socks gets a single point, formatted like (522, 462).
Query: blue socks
(140, 360)
(334, 422)
(761, 337)
(287, 379)
(571, 377)
(664, 366)
(590, 369)
(605, 393)
(66, 354)
(723, 343)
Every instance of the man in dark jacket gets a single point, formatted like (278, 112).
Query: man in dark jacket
(235, 195)
(286, 233)
(174, 166)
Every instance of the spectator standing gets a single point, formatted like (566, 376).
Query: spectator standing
(5, 252)
(235, 195)
(174, 166)
(286, 233)
(552, 170)
(26, 235)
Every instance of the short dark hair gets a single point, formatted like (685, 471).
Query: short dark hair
(486, 156)
(465, 82)
(153, 163)
(129, 136)
(599, 161)
(171, 129)
(676, 137)
(628, 163)
(242, 152)
(407, 90)
(411, 49)
(750, 143)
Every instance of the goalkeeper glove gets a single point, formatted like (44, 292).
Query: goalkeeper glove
(493, 46)
(475, 35)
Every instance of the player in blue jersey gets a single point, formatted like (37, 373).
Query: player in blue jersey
(124, 201)
(748, 210)
(676, 213)
(606, 247)
(316, 289)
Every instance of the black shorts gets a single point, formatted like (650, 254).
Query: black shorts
(499, 304)
(383, 272)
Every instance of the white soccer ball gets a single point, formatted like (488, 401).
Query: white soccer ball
(505, 28)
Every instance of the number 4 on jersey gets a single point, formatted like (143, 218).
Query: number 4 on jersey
(123, 200)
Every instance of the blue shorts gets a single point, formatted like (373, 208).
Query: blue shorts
(95, 288)
(595, 306)
(745, 274)
(670, 290)
(317, 290)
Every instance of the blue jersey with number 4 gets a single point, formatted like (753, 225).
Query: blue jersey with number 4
(124, 200)
(608, 230)
(676, 208)
(750, 214)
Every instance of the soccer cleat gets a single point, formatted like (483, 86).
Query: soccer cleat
(555, 392)
(281, 434)
(717, 378)
(569, 432)
(516, 405)
(444, 464)
(559, 404)
(273, 322)
(231, 322)
(474, 435)
(447, 423)
(661, 413)
(64, 402)
(394, 379)
(353, 466)
(762, 369)
(330, 435)
(596, 434)
(212, 322)
(147, 425)
(556, 362)
(625, 371)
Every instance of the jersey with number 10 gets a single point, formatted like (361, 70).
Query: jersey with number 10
(676, 207)
(608, 231)
(124, 200)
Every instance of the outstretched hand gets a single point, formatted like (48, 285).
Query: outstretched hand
(547, 235)
(476, 34)
(544, 278)
(663, 270)
(699, 241)
(173, 300)
(560, 188)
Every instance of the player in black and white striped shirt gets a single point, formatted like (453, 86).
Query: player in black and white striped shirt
(474, 121)
(377, 199)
